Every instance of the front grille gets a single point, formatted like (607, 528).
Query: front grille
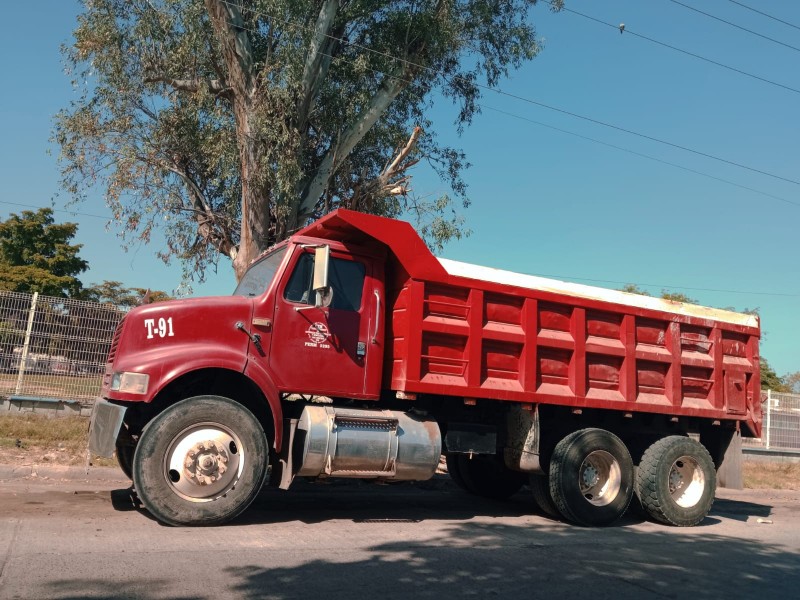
(115, 342)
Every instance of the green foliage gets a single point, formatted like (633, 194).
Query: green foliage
(36, 255)
(770, 379)
(792, 382)
(632, 288)
(113, 292)
(677, 297)
(230, 124)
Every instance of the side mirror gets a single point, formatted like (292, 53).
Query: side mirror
(322, 261)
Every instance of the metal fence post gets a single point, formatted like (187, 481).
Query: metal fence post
(769, 414)
(26, 346)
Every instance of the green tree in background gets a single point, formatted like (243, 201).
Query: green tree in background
(770, 380)
(36, 255)
(115, 293)
(232, 123)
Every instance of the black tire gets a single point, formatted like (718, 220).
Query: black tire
(454, 470)
(540, 490)
(200, 462)
(125, 454)
(487, 476)
(591, 477)
(676, 481)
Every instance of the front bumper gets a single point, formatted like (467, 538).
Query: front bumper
(104, 427)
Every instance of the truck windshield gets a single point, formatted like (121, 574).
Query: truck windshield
(258, 277)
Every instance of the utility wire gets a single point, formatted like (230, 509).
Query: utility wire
(628, 31)
(572, 133)
(537, 103)
(640, 154)
(670, 287)
(71, 212)
(755, 10)
(709, 15)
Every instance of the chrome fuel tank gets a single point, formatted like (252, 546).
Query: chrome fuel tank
(367, 444)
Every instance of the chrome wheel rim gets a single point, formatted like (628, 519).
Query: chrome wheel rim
(686, 482)
(204, 462)
(600, 478)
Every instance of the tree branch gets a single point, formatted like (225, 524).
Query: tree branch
(208, 224)
(215, 86)
(313, 69)
(236, 48)
(389, 90)
(393, 180)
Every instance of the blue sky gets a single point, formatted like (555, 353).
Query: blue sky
(546, 202)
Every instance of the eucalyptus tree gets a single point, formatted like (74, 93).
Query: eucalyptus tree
(229, 124)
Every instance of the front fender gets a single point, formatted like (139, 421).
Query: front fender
(165, 365)
(261, 377)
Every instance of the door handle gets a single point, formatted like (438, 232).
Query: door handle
(377, 316)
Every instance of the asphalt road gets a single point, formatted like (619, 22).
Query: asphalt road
(87, 539)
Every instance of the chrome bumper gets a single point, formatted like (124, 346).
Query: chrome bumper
(104, 427)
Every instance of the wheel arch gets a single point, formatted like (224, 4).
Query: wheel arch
(264, 404)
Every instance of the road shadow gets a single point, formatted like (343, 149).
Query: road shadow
(462, 556)
(359, 501)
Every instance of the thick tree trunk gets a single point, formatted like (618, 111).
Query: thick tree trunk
(238, 56)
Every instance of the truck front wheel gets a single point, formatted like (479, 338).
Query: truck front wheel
(676, 481)
(200, 462)
(591, 477)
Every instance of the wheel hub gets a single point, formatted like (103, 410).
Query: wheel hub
(687, 482)
(206, 462)
(600, 478)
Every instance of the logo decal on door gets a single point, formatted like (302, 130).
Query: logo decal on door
(318, 333)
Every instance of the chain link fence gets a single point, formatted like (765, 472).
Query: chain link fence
(781, 422)
(53, 350)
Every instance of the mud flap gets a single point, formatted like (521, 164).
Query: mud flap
(104, 427)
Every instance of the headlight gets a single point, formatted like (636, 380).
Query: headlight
(132, 383)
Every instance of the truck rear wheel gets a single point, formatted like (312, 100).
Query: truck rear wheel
(540, 489)
(676, 481)
(200, 462)
(454, 470)
(487, 476)
(591, 477)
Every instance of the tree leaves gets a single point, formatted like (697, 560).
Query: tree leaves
(243, 120)
(36, 256)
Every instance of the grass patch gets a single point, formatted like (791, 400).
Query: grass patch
(771, 475)
(69, 387)
(29, 438)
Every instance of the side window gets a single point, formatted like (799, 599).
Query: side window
(346, 278)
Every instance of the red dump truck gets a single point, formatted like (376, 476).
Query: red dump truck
(349, 350)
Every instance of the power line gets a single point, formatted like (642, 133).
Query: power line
(542, 104)
(755, 10)
(70, 212)
(594, 140)
(709, 15)
(672, 287)
(627, 31)
(641, 154)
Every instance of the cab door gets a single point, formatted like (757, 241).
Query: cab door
(328, 351)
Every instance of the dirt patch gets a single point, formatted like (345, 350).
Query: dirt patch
(33, 440)
(771, 475)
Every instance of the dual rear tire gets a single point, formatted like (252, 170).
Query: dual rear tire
(484, 475)
(676, 481)
(592, 480)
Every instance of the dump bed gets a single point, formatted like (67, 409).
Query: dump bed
(474, 332)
